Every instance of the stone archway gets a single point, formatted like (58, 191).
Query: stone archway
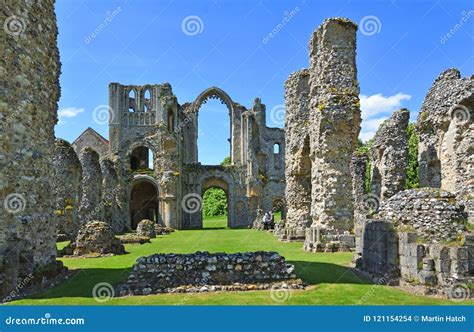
(215, 93)
(218, 183)
(143, 202)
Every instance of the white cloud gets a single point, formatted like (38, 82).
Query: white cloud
(377, 108)
(68, 112)
(378, 104)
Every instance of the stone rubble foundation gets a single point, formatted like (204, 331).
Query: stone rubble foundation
(204, 272)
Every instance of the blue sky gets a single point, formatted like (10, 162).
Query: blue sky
(402, 48)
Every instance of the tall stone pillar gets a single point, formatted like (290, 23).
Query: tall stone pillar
(67, 189)
(335, 118)
(297, 157)
(389, 156)
(28, 112)
(359, 193)
(92, 205)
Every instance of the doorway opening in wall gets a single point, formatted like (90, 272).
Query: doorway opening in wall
(215, 209)
(143, 203)
(214, 135)
(141, 160)
(279, 210)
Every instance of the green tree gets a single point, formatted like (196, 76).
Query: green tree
(215, 203)
(413, 180)
(226, 161)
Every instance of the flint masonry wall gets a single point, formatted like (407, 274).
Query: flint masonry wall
(113, 212)
(389, 156)
(359, 192)
(446, 134)
(335, 121)
(28, 106)
(91, 207)
(297, 157)
(67, 188)
(161, 273)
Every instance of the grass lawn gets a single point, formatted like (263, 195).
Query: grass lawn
(330, 279)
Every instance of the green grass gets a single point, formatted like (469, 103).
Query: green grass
(331, 281)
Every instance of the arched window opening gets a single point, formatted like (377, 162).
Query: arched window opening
(141, 159)
(147, 104)
(132, 101)
(171, 120)
(214, 132)
(276, 148)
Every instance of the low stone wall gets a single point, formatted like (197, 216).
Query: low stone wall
(202, 271)
(321, 240)
(437, 267)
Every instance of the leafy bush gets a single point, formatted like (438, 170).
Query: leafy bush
(215, 203)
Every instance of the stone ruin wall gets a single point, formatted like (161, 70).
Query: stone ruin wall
(28, 113)
(335, 117)
(203, 272)
(359, 193)
(91, 207)
(297, 157)
(67, 189)
(389, 156)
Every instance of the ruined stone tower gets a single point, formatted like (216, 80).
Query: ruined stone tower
(322, 126)
(28, 113)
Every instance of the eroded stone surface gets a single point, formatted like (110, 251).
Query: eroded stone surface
(97, 238)
(202, 271)
(389, 156)
(146, 228)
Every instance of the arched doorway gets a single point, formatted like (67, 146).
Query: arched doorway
(279, 209)
(143, 202)
(216, 205)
